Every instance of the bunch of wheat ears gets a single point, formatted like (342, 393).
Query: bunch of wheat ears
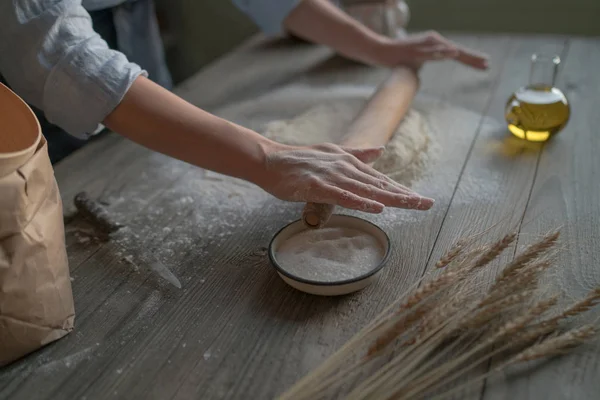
(439, 336)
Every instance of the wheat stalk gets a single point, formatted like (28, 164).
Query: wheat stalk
(495, 250)
(592, 299)
(552, 347)
(557, 345)
(527, 280)
(488, 310)
(451, 255)
(531, 253)
(397, 328)
(445, 279)
(450, 276)
(459, 247)
(507, 329)
(446, 326)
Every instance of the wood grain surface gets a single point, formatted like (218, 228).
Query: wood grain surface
(236, 330)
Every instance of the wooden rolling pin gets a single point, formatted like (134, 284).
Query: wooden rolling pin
(372, 127)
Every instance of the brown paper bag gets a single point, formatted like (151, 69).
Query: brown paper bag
(36, 301)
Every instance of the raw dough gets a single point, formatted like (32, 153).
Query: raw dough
(406, 153)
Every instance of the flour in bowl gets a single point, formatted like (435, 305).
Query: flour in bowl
(330, 254)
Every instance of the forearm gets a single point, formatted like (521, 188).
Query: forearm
(160, 120)
(321, 22)
(52, 57)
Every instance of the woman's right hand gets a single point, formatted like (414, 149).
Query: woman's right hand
(332, 174)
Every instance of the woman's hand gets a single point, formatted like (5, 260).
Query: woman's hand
(334, 175)
(159, 120)
(429, 46)
(322, 22)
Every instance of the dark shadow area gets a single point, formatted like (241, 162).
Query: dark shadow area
(283, 42)
(337, 62)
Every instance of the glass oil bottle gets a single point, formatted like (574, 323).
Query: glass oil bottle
(539, 110)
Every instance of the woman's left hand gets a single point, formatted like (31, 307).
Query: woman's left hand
(429, 46)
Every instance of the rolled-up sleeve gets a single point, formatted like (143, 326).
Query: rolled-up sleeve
(51, 56)
(267, 14)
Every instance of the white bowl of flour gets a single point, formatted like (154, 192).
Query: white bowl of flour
(343, 257)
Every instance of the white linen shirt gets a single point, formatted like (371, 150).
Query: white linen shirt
(51, 56)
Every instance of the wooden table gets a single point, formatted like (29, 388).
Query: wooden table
(236, 330)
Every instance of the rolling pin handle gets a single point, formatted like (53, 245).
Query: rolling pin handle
(316, 215)
(373, 126)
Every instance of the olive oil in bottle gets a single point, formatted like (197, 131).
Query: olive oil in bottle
(539, 110)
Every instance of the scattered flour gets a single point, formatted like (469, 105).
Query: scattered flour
(407, 153)
(330, 254)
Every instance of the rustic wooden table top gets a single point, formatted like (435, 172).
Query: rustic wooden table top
(235, 329)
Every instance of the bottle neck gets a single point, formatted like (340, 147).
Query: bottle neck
(543, 70)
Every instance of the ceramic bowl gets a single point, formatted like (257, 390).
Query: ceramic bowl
(20, 131)
(330, 288)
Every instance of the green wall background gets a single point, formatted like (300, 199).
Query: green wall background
(576, 17)
(199, 31)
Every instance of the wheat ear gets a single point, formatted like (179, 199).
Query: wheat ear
(530, 253)
(557, 345)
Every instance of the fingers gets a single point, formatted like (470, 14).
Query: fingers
(434, 46)
(366, 174)
(384, 181)
(467, 56)
(387, 198)
(473, 58)
(347, 199)
(436, 53)
(350, 183)
(367, 156)
(377, 183)
(375, 178)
